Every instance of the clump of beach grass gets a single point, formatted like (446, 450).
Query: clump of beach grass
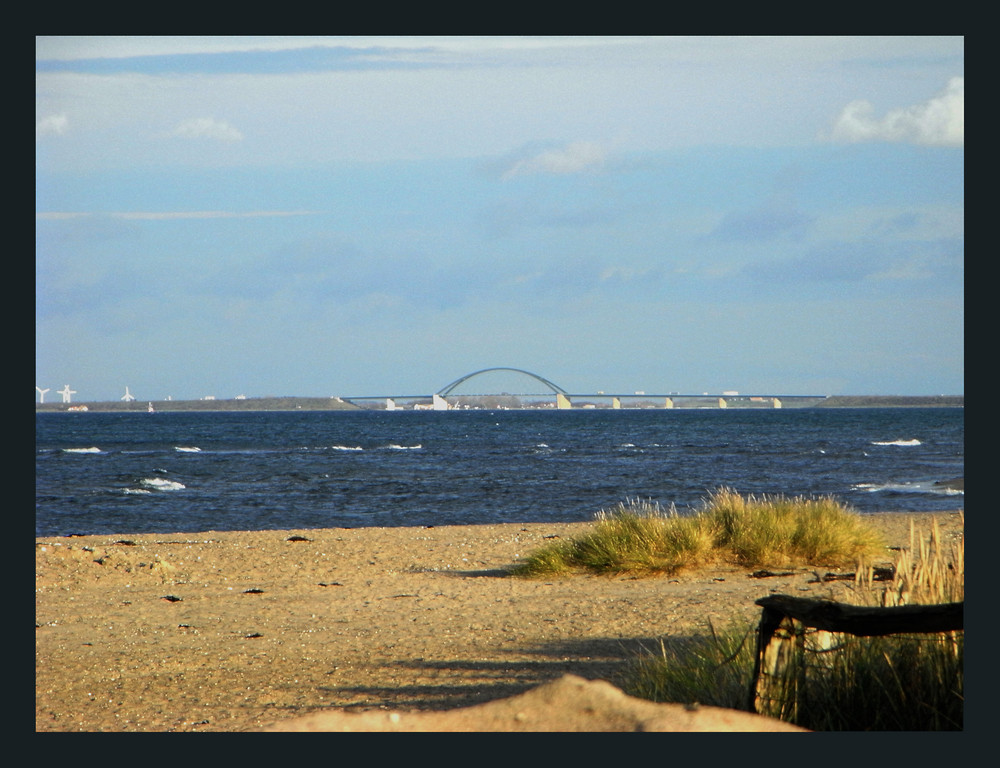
(911, 682)
(644, 538)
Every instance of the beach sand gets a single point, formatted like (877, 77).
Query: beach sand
(239, 631)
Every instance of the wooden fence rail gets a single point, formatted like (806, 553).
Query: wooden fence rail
(781, 635)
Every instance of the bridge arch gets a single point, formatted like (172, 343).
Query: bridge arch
(556, 389)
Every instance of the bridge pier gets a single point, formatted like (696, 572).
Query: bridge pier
(669, 403)
(562, 402)
(616, 402)
(722, 402)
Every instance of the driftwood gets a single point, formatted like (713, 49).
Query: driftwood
(781, 636)
(879, 573)
(861, 620)
(766, 574)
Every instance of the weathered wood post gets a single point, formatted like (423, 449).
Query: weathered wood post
(775, 679)
(778, 667)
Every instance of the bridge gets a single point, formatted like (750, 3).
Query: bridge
(447, 398)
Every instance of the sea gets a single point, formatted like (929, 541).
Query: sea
(170, 472)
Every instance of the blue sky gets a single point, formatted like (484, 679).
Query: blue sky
(347, 216)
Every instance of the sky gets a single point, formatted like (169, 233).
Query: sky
(348, 216)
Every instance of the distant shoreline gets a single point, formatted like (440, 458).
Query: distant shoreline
(280, 404)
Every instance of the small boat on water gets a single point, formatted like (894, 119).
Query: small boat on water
(150, 409)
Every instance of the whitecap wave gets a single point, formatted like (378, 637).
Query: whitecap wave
(914, 441)
(161, 484)
(630, 448)
(187, 449)
(134, 491)
(397, 447)
(346, 448)
(909, 487)
(93, 449)
(949, 491)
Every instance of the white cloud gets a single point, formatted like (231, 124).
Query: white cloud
(573, 158)
(939, 121)
(207, 128)
(53, 125)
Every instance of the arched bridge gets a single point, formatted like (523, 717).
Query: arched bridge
(564, 399)
(554, 388)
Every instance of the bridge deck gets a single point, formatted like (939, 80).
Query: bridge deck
(631, 395)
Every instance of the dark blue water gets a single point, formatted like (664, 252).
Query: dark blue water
(124, 473)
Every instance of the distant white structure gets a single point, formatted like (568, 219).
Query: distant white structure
(439, 403)
(241, 397)
(67, 393)
(128, 397)
(41, 393)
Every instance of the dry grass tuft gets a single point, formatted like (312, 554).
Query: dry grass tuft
(643, 538)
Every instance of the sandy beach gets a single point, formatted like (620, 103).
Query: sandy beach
(238, 631)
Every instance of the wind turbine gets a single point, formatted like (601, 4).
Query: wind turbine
(128, 397)
(67, 393)
(41, 393)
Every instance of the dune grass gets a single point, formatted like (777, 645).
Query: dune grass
(643, 538)
(893, 683)
(713, 669)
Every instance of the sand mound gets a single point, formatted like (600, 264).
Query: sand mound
(569, 704)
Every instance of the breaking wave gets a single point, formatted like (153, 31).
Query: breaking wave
(160, 484)
(910, 487)
(897, 442)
